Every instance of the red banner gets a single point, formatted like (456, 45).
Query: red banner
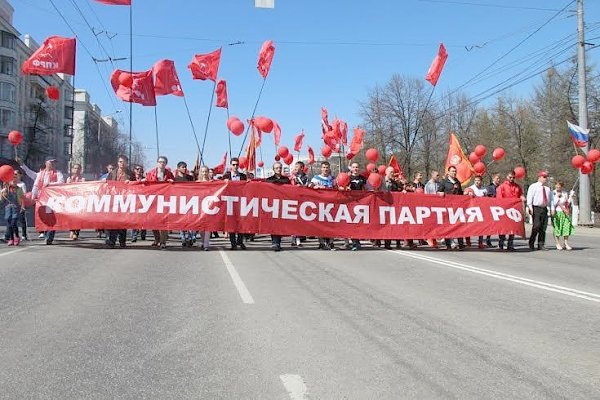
(261, 207)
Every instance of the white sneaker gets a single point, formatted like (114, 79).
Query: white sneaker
(41, 236)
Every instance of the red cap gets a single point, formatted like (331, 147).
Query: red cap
(543, 174)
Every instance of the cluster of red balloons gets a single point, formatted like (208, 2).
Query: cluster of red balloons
(7, 173)
(586, 166)
(235, 125)
(476, 157)
(264, 124)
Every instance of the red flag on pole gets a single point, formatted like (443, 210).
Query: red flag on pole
(206, 66)
(325, 120)
(56, 54)
(344, 131)
(221, 92)
(115, 2)
(357, 141)
(166, 80)
(251, 152)
(276, 133)
(397, 169)
(136, 87)
(311, 155)
(220, 169)
(435, 70)
(298, 141)
(265, 57)
(456, 157)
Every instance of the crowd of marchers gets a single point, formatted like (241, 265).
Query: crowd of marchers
(541, 202)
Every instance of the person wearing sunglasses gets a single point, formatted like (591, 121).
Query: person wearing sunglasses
(235, 238)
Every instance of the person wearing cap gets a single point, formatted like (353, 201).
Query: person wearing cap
(509, 189)
(47, 177)
(539, 202)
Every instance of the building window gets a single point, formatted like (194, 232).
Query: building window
(8, 40)
(7, 119)
(8, 92)
(67, 149)
(7, 65)
(68, 130)
(68, 113)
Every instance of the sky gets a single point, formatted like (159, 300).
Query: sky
(328, 54)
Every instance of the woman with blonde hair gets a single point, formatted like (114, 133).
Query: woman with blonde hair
(204, 176)
(561, 221)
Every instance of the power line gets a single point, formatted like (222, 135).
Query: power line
(467, 3)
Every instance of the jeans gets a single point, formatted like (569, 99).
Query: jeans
(12, 229)
(276, 240)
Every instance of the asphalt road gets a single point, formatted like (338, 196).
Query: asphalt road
(79, 321)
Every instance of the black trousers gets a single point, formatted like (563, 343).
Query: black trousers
(236, 239)
(540, 223)
(114, 233)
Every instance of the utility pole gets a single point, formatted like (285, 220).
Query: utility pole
(585, 215)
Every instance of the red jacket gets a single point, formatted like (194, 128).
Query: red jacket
(509, 190)
(152, 175)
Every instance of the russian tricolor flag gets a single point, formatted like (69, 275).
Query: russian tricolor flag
(579, 136)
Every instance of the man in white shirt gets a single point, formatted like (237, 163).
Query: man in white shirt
(539, 200)
(47, 177)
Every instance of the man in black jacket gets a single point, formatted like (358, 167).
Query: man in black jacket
(277, 179)
(451, 185)
(235, 238)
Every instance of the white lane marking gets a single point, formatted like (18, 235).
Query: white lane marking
(13, 251)
(507, 277)
(294, 384)
(237, 281)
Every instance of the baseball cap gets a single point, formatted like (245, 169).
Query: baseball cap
(542, 174)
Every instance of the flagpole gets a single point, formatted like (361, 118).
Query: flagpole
(212, 99)
(187, 108)
(228, 132)
(424, 109)
(130, 71)
(252, 117)
(156, 127)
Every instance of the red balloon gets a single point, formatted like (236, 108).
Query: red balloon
(260, 164)
(587, 168)
(7, 173)
(577, 161)
(593, 155)
(236, 127)
(381, 169)
(479, 167)
(15, 137)
(326, 151)
(349, 156)
(283, 151)
(277, 158)
(473, 158)
(374, 180)
(264, 124)
(480, 150)
(289, 159)
(519, 172)
(243, 162)
(343, 179)
(125, 79)
(53, 93)
(28, 200)
(498, 154)
(230, 120)
(371, 167)
(372, 155)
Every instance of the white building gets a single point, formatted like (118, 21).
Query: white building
(24, 105)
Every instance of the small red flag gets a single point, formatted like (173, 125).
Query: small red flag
(136, 87)
(456, 157)
(397, 169)
(220, 169)
(311, 155)
(325, 120)
(344, 131)
(298, 141)
(276, 132)
(166, 80)
(435, 70)
(251, 152)
(56, 54)
(357, 141)
(221, 92)
(115, 2)
(206, 66)
(265, 57)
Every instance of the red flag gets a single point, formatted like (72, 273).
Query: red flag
(457, 158)
(251, 152)
(136, 87)
(115, 2)
(222, 94)
(435, 70)
(325, 120)
(206, 66)
(311, 155)
(298, 141)
(220, 169)
(397, 169)
(331, 140)
(357, 141)
(265, 57)
(57, 54)
(276, 132)
(344, 131)
(166, 80)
